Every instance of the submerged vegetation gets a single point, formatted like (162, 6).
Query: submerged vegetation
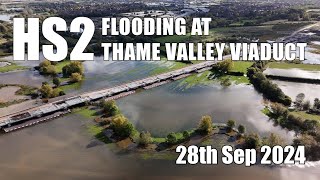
(306, 126)
(114, 128)
(283, 65)
(269, 90)
(11, 67)
(23, 90)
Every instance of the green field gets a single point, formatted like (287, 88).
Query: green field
(175, 39)
(86, 112)
(241, 66)
(307, 67)
(239, 79)
(12, 67)
(306, 115)
(60, 65)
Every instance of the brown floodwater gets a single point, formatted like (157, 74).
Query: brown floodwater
(63, 149)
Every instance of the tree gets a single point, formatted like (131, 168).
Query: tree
(299, 100)
(73, 67)
(46, 91)
(45, 63)
(171, 139)
(311, 125)
(46, 68)
(56, 81)
(57, 92)
(121, 126)
(231, 124)
(270, 90)
(316, 104)
(306, 105)
(274, 140)
(109, 108)
(252, 141)
(75, 77)
(279, 110)
(205, 125)
(295, 122)
(225, 66)
(241, 129)
(145, 139)
(3, 29)
(186, 135)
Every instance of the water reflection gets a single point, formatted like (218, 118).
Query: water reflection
(166, 109)
(27, 77)
(292, 89)
(59, 150)
(6, 17)
(293, 73)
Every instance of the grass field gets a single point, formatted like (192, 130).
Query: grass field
(86, 112)
(241, 66)
(60, 65)
(175, 38)
(307, 67)
(196, 79)
(12, 67)
(306, 115)
(239, 79)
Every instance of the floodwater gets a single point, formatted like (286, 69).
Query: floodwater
(167, 109)
(99, 73)
(312, 58)
(292, 89)
(62, 149)
(6, 17)
(26, 77)
(293, 73)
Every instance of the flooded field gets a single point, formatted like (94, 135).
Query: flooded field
(292, 89)
(168, 109)
(26, 77)
(293, 73)
(10, 94)
(6, 17)
(63, 149)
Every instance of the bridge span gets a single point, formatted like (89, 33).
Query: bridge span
(11, 122)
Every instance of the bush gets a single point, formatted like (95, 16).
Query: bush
(231, 123)
(145, 139)
(186, 135)
(46, 68)
(171, 139)
(56, 81)
(109, 108)
(273, 140)
(279, 110)
(241, 129)
(225, 66)
(75, 77)
(252, 141)
(205, 125)
(73, 67)
(57, 92)
(121, 126)
(46, 91)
